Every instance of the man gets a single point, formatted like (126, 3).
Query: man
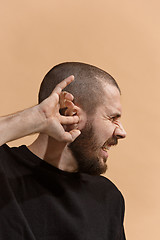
(63, 196)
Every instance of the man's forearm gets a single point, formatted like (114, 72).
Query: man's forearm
(20, 124)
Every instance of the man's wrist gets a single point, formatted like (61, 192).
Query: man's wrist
(37, 119)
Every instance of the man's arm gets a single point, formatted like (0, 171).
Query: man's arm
(42, 118)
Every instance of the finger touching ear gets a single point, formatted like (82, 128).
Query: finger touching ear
(64, 98)
(77, 111)
(70, 112)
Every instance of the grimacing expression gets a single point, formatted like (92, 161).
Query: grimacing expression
(102, 130)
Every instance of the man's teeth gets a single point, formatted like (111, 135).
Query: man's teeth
(106, 148)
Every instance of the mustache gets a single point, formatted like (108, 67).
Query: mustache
(112, 141)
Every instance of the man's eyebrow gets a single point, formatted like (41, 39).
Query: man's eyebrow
(116, 114)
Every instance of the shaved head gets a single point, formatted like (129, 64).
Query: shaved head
(87, 88)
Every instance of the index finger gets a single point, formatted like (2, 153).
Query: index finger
(58, 89)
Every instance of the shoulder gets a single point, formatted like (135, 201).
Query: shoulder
(105, 192)
(12, 161)
(99, 181)
(4, 151)
(104, 186)
(6, 158)
(3, 148)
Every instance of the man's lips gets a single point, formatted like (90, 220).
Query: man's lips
(104, 154)
(105, 151)
(106, 146)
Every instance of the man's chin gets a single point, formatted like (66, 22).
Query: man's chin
(103, 169)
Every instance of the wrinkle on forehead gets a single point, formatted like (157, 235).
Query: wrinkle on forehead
(112, 99)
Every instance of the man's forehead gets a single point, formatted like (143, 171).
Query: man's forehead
(111, 90)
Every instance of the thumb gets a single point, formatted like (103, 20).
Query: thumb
(69, 137)
(74, 134)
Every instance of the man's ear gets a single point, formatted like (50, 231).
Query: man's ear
(77, 111)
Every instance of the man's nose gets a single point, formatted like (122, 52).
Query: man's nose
(120, 132)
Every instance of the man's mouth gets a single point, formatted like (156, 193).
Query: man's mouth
(106, 148)
(107, 145)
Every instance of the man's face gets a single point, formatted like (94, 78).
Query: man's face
(101, 131)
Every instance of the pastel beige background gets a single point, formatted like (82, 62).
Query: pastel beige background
(121, 37)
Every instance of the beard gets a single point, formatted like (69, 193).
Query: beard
(85, 150)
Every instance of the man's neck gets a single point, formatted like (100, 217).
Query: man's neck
(54, 152)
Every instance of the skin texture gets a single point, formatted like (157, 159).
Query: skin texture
(102, 128)
(85, 154)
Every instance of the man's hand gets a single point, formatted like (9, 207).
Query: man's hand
(42, 118)
(53, 121)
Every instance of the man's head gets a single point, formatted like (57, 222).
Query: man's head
(87, 88)
(98, 95)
